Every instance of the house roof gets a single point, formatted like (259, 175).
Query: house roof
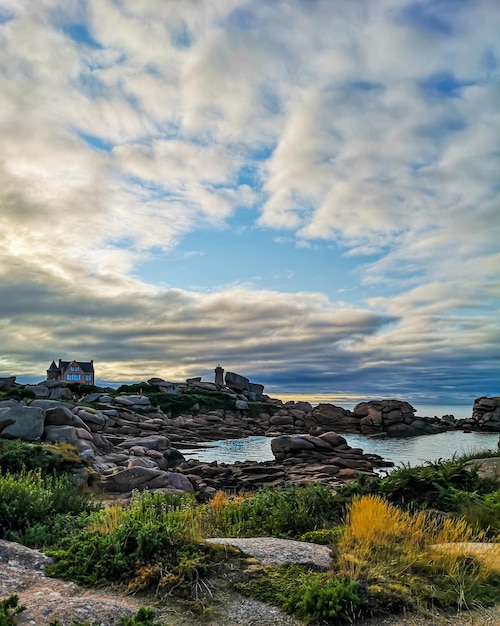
(86, 366)
(53, 367)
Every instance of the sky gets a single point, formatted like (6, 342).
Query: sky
(304, 191)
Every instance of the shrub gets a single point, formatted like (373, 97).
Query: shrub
(155, 540)
(18, 393)
(312, 596)
(17, 455)
(437, 485)
(287, 513)
(38, 510)
(9, 608)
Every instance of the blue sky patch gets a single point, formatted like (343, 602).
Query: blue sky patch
(443, 85)
(6, 16)
(80, 34)
(96, 143)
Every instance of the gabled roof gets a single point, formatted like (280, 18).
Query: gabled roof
(85, 366)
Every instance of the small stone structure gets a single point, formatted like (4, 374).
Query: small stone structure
(219, 376)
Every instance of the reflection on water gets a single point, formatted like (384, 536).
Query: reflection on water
(406, 450)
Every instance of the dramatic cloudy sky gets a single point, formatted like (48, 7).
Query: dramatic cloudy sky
(305, 191)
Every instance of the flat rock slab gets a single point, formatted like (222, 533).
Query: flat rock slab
(272, 551)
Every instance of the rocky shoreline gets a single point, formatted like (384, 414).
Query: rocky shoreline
(125, 442)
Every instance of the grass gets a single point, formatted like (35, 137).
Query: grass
(393, 549)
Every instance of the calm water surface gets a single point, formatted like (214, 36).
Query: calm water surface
(412, 450)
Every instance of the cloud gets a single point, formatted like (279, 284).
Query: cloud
(358, 129)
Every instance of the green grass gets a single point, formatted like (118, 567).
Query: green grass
(286, 513)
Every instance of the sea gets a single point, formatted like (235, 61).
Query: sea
(403, 451)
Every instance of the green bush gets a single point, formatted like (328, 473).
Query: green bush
(17, 455)
(153, 541)
(312, 596)
(143, 617)
(9, 608)
(18, 393)
(38, 510)
(286, 513)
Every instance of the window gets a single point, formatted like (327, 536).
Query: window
(74, 368)
(73, 377)
(88, 377)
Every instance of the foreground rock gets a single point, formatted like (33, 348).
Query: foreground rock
(49, 599)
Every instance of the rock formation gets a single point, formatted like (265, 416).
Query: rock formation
(126, 443)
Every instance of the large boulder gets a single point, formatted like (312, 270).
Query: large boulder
(63, 416)
(141, 478)
(60, 393)
(486, 413)
(7, 382)
(79, 437)
(237, 382)
(152, 442)
(27, 422)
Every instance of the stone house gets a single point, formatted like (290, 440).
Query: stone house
(72, 371)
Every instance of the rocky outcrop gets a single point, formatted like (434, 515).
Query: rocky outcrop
(7, 382)
(329, 454)
(394, 418)
(126, 443)
(26, 422)
(241, 384)
(485, 415)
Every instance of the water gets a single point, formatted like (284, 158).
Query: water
(404, 450)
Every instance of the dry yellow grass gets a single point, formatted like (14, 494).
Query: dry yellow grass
(387, 546)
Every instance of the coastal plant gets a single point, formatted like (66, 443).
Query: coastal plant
(155, 541)
(422, 558)
(17, 455)
(17, 393)
(39, 510)
(285, 513)
(9, 609)
(437, 485)
(312, 596)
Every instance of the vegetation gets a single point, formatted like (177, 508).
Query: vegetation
(9, 608)
(287, 514)
(400, 542)
(38, 510)
(415, 556)
(191, 399)
(17, 455)
(17, 393)
(313, 596)
(156, 541)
